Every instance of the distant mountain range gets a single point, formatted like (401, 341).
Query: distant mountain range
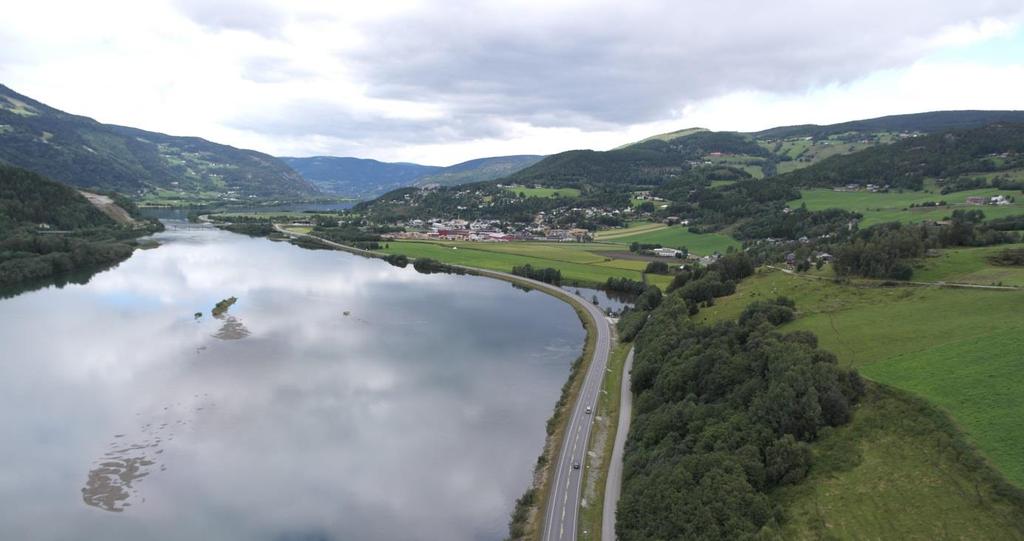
(363, 178)
(82, 152)
(662, 157)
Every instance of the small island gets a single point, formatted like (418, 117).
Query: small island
(221, 307)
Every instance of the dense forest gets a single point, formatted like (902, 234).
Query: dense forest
(648, 163)
(933, 122)
(723, 415)
(49, 230)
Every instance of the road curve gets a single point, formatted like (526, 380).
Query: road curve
(563, 504)
(613, 485)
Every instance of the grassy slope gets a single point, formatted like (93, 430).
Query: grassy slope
(957, 348)
(896, 472)
(545, 192)
(969, 266)
(894, 206)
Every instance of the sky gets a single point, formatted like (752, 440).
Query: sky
(442, 81)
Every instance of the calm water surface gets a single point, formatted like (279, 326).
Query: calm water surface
(339, 398)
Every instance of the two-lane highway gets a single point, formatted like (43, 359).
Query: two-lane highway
(560, 517)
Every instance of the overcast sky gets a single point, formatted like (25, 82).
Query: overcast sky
(439, 82)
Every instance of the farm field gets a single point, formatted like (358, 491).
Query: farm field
(675, 237)
(544, 192)
(576, 263)
(970, 266)
(895, 206)
(632, 228)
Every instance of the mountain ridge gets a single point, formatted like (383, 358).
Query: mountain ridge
(80, 151)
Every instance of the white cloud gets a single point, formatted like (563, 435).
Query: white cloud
(440, 82)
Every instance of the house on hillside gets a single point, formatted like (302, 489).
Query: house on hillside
(975, 200)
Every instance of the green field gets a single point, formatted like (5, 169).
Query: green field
(979, 380)
(889, 332)
(675, 237)
(970, 266)
(897, 471)
(575, 260)
(632, 228)
(895, 206)
(960, 350)
(544, 192)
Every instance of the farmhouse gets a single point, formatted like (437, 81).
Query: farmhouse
(667, 252)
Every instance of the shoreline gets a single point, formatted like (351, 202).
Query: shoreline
(554, 445)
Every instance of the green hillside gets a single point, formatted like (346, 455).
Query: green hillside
(82, 152)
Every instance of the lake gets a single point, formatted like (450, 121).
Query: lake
(338, 398)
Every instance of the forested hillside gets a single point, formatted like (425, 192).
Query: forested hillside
(356, 177)
(479, 170)
(48, 229)
(652, 162)
(80, 151)
(907, 163)
(932, 122)
(365, 179)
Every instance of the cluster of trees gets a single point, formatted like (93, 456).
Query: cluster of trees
(715, 208)
(1007, 223)
(962, 184)
(546, 275)
(425, 265)
(884, 250)
(349, 235)
(252, 229)
(724, 414)
(632, 319)
(624, 285)
(1009, 257)
(701, 285)
(797, 223)
(26, 257)
(657, 267)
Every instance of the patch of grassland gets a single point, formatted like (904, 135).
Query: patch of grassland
(602, 439)
(899, 470)
(979, 381)
(970, 266)
(678, 236)
(544, 192)
(632, 228)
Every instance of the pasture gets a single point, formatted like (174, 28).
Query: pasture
(571, 193)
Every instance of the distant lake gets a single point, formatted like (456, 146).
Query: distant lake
(338, 398)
